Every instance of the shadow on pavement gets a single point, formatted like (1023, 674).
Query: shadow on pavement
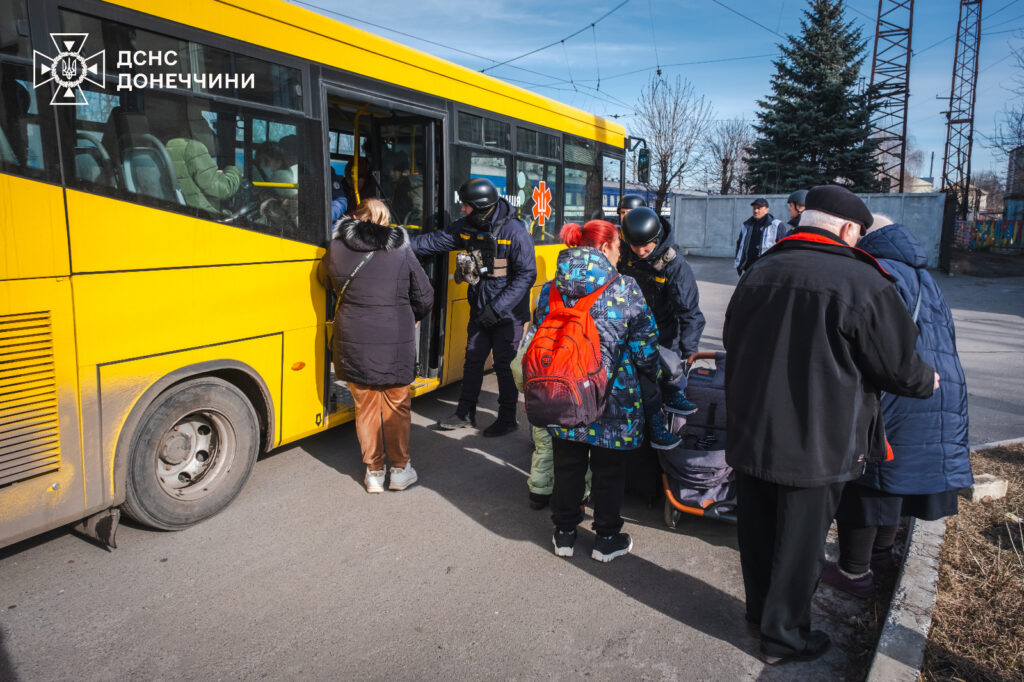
(490, 488)
(6, 667)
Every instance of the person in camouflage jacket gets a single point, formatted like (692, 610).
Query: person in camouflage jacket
(629, 348)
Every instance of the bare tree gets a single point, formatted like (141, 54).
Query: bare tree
(727, 154)
(674, 121)
(990, 182)
(1009, 134)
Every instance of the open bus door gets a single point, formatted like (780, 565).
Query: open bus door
(403, 155)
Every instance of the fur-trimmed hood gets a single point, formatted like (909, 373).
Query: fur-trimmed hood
(359, 235)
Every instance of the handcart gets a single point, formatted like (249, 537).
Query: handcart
(695, 476)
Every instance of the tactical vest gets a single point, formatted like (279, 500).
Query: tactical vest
(483, 247)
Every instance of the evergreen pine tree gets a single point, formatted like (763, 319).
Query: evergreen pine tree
(814, 127)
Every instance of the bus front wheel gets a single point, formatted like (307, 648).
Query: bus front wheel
(191, 454)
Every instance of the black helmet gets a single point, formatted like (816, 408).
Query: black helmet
(798, 198)
(641, 226)
(631, 201)
(480, 193)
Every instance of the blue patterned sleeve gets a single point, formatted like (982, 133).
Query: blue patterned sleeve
(642, 333)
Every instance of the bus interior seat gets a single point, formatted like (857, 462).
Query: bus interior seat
(6, 150)
(92, 161)
(145, 165)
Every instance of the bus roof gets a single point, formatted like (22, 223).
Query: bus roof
(287, 28)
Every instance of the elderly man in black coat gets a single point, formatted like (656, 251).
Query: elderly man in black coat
(814, 331)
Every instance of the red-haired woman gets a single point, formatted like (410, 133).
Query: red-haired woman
(629, 347)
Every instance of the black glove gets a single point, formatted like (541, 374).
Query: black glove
(487, 317)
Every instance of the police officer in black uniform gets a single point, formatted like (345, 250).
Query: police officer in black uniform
(497, 261)
(670, 289)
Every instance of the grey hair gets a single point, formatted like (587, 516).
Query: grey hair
(879, 220)
(813, 218)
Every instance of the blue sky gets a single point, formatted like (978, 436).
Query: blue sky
(645, 33)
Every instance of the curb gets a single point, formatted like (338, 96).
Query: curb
(901, 645)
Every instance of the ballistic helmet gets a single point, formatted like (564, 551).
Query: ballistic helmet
(631, 201)
(798, 198)
(641, 226)
(480, 193)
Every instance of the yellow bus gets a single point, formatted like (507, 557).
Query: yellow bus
(166, 177)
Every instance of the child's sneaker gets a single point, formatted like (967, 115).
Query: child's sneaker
(374, 481)
(607, 547)
(564, 542)
(678, 403)
(402, 478)
(661, 437)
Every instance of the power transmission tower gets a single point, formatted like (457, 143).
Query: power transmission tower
(956, 164)
(890, 81)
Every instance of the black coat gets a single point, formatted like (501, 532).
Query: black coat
(813, 332)
(374, 327)
(670, 290)
(508, 295)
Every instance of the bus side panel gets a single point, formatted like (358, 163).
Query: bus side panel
(107, 235)
(114, 389)
(32, 229)
(304, 366)
(41, 464)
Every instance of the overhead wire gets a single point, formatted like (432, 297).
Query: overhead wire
(654, 40)
(571, 35)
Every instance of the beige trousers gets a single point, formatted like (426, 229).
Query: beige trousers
(383, 417)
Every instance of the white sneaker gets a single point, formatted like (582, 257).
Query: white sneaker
(374, 481)
(402, 478)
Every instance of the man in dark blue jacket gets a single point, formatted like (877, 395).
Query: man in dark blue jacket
(670, 288)
(499, 265)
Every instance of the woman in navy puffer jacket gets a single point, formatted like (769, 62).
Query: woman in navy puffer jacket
(928, 437)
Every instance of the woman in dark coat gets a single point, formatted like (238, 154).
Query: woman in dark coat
(383, 292)
(928, 437)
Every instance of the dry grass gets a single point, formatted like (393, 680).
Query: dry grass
(978, 626)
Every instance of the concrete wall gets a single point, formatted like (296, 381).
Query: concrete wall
(709, 226)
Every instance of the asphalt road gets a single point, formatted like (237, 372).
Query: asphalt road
(305, 576)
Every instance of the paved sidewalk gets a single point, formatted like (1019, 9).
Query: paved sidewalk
(305, 576)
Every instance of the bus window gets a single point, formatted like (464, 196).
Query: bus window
(582, 180)
(537, 193)
(469, 163)
(177, 151)
(612, 185)
(26, 144)
(486, 132)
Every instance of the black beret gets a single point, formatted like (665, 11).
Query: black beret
(839, 202)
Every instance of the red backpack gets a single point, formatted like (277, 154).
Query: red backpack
(564, 382)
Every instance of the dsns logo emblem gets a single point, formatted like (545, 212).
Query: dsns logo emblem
(69, 69)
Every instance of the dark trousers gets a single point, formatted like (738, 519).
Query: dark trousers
(857, 545)
(607, 485)
(781, 532)
(503, 341)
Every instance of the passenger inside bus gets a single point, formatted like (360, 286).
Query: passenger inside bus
(203, 184)
(406, 192)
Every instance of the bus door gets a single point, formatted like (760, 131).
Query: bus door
(400, 155)
(410, 154)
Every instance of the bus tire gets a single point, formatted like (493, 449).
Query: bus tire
(191, 454)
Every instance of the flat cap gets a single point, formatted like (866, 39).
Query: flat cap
(839, 202)
(760, 201)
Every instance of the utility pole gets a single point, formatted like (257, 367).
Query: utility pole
(890, 88)
(956, 164)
